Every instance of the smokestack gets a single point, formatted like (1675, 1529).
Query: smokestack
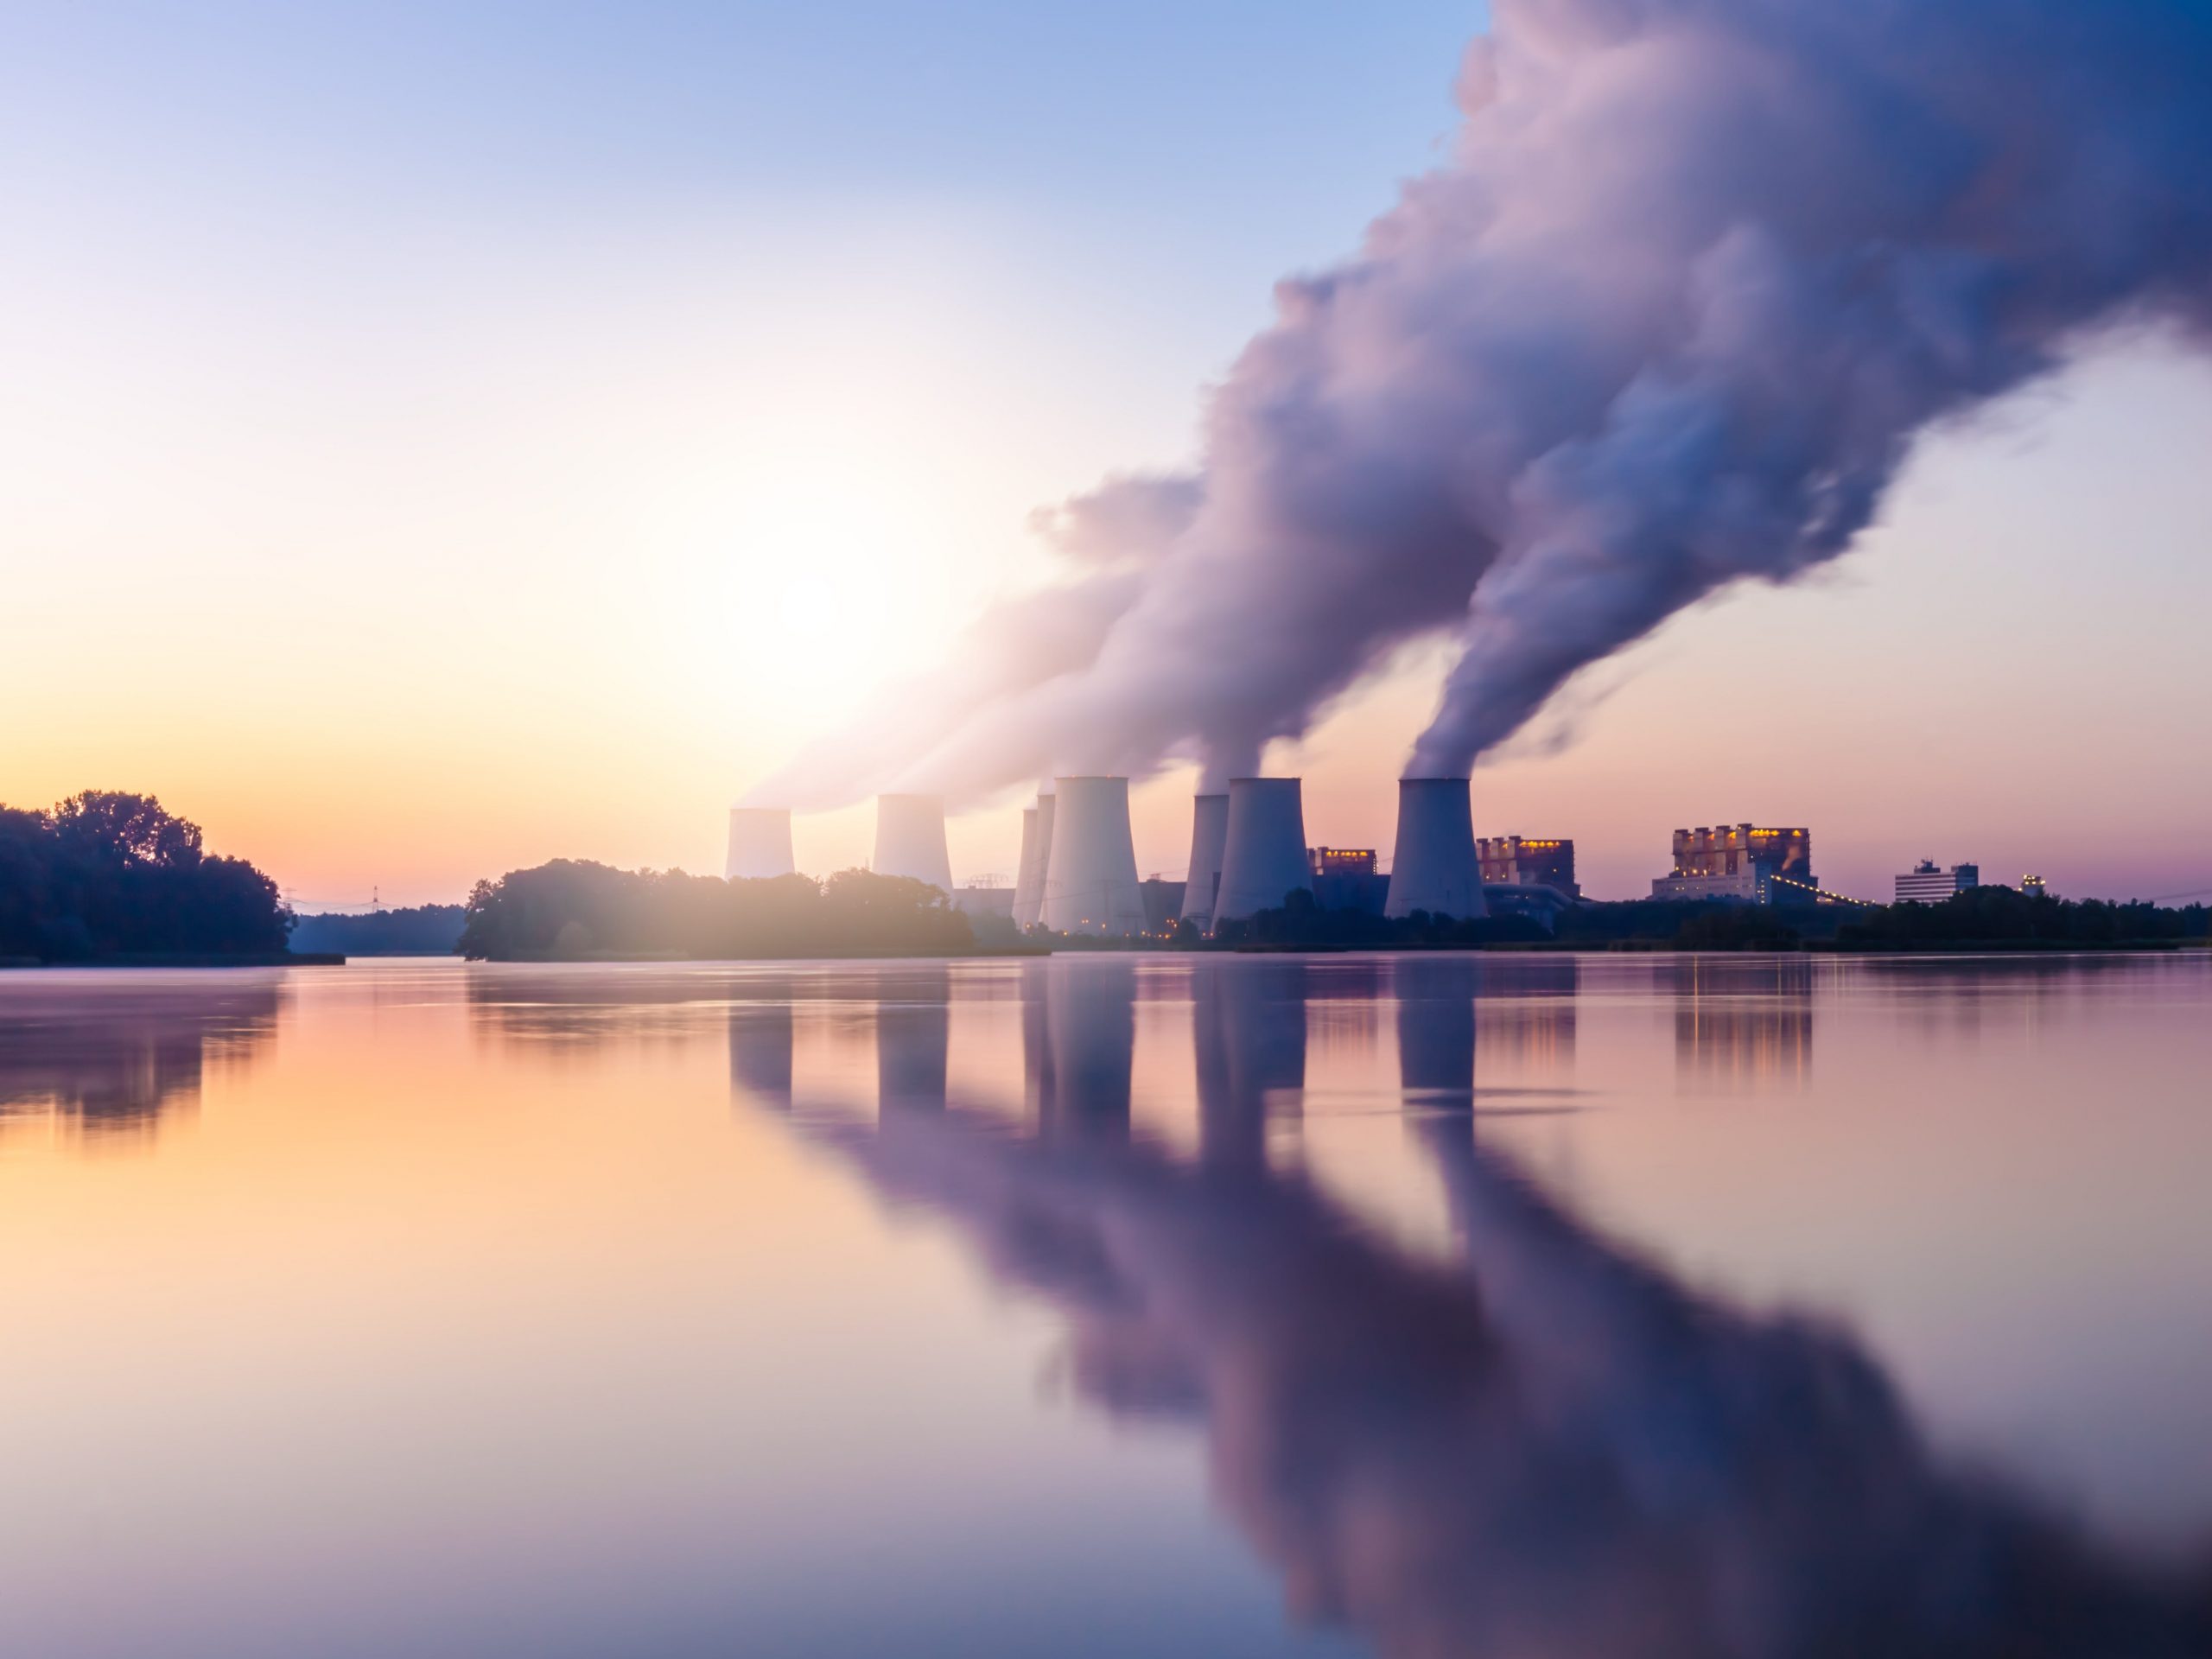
(910, 839)
(1434, 868)
(1263, 848)
(1209, 835)
(759, 843)
(1036, 854)
(1091, 874)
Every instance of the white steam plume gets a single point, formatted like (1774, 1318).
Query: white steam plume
(1697, 275)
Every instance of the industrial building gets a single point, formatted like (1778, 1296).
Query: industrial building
(1528, 862)
(1345, 878)
(1926, 883)
(1163, 903)
(986, 896)
(1743, 863)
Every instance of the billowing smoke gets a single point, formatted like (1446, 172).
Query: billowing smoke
(1696, 276)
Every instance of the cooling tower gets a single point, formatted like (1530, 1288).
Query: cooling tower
(1209, 835)
(759, 843)
(1434, 868)
(1090, 873)
(1036, 854)
(910, 840)
(1263, 849)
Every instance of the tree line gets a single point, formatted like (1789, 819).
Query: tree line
(108, 874)
(2007, 916)
(413, 930)
(572, 910)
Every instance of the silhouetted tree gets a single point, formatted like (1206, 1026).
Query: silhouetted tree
(1998, 915)
(108, 874)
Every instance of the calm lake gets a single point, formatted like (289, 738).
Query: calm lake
(1490, 1305)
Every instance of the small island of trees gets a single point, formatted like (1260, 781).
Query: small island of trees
(570, 911)
(107, 876)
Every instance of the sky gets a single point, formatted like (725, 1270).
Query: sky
(434, 440)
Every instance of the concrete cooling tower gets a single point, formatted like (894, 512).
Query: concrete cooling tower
(1209, 835)
(1090, 873)
(1435, 868)
(910, 840)
(759, 843)
(1036, 854)
(1263, 851)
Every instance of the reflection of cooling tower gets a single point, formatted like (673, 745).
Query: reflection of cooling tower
(910, 1053)
(910, 839)
(1036, 854)
(1434, 868)
(760, 1053)
(759, 843)
(1209, 835)
(1091, 874)
(1090, 1031)
(1249, 1033)
(1263, 848)
(1436, 1029)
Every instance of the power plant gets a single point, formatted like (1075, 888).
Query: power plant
(910, 840)
(1090, 873)
(1263, 848)
(1743, 863)
(1078, 871)
(1435, 868)
(1208, 837)
(759, 843)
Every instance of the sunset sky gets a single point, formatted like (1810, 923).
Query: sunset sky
(430, 444)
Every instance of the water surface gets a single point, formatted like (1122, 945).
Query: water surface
(1432, 1305)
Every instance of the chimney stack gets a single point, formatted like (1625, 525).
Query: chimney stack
(1263, 852)
(910, 839)
(759, 843)
(1090, 873)
(1435, 868)
(1209, 835)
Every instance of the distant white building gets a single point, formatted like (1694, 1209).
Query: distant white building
(1926, 884)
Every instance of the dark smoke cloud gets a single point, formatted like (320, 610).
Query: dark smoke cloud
(1697, 276)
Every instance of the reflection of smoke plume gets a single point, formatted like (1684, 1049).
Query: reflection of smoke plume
(1696, 276)
(1559, 1451)
(114, 1060)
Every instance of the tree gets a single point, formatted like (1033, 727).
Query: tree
(107, 873)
